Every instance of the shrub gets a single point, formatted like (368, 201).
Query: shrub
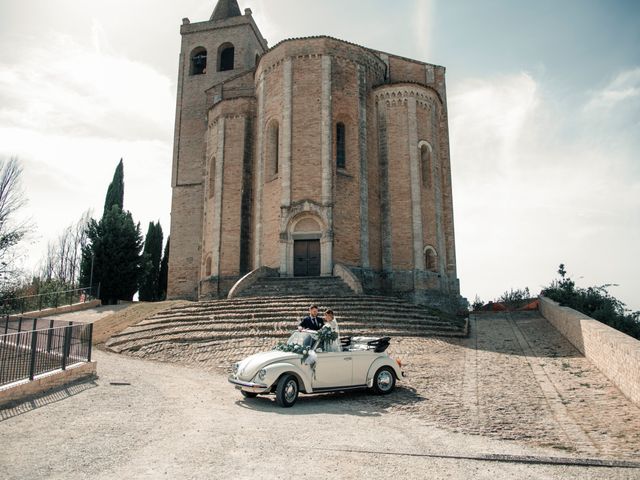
(477, 304)
(515, 298)
(595, 302)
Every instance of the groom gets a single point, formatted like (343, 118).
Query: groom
(312, 321)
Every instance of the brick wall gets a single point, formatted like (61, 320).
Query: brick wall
(377, 217)
(189, 156)
(615, 354)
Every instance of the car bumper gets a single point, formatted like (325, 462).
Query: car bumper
(249, 386)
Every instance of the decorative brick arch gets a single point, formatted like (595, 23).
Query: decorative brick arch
(431, 259)
(303, 214)
(427, 165)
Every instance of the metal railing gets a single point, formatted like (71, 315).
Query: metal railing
(42, 301)
(26, 354)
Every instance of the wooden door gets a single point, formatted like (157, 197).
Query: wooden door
(306, 258)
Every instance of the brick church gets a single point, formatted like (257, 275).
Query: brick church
(314, 157)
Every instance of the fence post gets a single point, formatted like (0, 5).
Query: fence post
(65, 346)
(19, 324)
(22, 306)
(39, 302)
(49, 334)
(90, 342)
(6, 325)
(32, 363)
(55, 303)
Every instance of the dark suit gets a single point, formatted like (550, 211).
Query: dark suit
(309, 323)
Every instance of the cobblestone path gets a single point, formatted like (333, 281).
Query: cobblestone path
(514, 378)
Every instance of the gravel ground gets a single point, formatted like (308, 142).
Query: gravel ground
(515, 378)
(142, 419)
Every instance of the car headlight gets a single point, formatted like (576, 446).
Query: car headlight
(261, 374)
(236, 366)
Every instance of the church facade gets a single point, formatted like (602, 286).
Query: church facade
(307, 157)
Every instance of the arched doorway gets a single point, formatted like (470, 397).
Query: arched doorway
(306, 234)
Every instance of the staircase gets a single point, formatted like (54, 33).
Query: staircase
(318, 287)
(249, 324)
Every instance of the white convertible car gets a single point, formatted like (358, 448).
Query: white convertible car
(361, 364)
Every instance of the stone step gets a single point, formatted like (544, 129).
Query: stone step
(284, 329)
(289, 321)
(284, 286)
(303, 300)
(156, 329)
(363, 311)
(297, 305)
(276, 315)
(181, 338)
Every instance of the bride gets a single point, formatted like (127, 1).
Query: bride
(330, 321)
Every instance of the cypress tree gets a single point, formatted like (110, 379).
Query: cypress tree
(151, 258)
(164, 272)
(114, 245)
(115, 192)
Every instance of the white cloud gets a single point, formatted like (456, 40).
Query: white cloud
(490, 118)
(423, 26)
(534, 189)
(70, 112)
(62, 86)
(624, 87)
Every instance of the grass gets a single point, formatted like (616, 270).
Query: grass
(117, 322)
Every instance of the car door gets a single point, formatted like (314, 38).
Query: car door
(361, 363)
(333, 369)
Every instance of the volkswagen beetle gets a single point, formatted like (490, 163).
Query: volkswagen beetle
(362, 364)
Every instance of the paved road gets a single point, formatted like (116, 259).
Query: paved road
(143, 419)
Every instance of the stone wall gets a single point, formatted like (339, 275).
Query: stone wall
(76, 307)
(615, 354)
(21, 391)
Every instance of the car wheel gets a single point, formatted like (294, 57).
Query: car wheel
(248, 394)
(287, 391)
(384, 381)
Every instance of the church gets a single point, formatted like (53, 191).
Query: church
(313, 157)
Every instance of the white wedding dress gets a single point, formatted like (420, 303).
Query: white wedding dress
(334, 346)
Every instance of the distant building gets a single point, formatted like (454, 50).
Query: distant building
(306, 155)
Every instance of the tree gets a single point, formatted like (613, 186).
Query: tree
(113, 248)
(151, 257)
(164, 272)
(62, 260)
(595, 302)
(114, 245)
(12, 231)
(115, 192)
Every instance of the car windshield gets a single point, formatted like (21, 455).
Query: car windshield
(306, 339)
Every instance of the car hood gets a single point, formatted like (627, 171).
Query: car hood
(249, 367)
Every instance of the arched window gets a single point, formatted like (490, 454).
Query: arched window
(207, 267)
(199, 61)
(426, 163)
(226, 57)
(273, 148)
(430, 259)
(212, 176)
(341, 141)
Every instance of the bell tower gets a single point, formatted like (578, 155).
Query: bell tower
(212, 52)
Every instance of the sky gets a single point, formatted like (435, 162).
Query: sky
(544, 115)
